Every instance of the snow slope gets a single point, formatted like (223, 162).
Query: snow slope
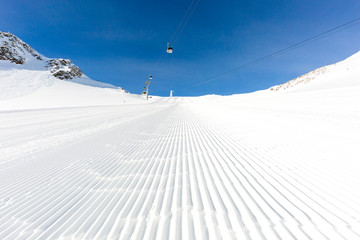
(238, 167)
(59, 94)
(22, 89)
(342, 74)
(77, 163)
(29, 80)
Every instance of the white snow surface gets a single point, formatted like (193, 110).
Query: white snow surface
(266, 165)
(53, 93)
(30, 87)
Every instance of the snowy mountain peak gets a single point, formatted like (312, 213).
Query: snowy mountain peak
(14, 50)
(25, 73)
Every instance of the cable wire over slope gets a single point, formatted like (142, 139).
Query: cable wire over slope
(284, 50)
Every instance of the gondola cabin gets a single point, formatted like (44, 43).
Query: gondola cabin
(169, 49)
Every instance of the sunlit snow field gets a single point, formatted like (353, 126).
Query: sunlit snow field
(81, 162)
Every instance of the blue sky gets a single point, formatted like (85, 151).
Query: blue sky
(119, 42)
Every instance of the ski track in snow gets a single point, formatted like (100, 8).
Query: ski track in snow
(169, 173)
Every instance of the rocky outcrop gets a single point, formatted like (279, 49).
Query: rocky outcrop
(13, 49)
(63, 69)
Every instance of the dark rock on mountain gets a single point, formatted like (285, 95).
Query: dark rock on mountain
(63, 69)
(14, 50)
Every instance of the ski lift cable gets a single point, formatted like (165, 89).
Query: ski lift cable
(161, 57)
(182, 20)
(294, 46)
(186, 21)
